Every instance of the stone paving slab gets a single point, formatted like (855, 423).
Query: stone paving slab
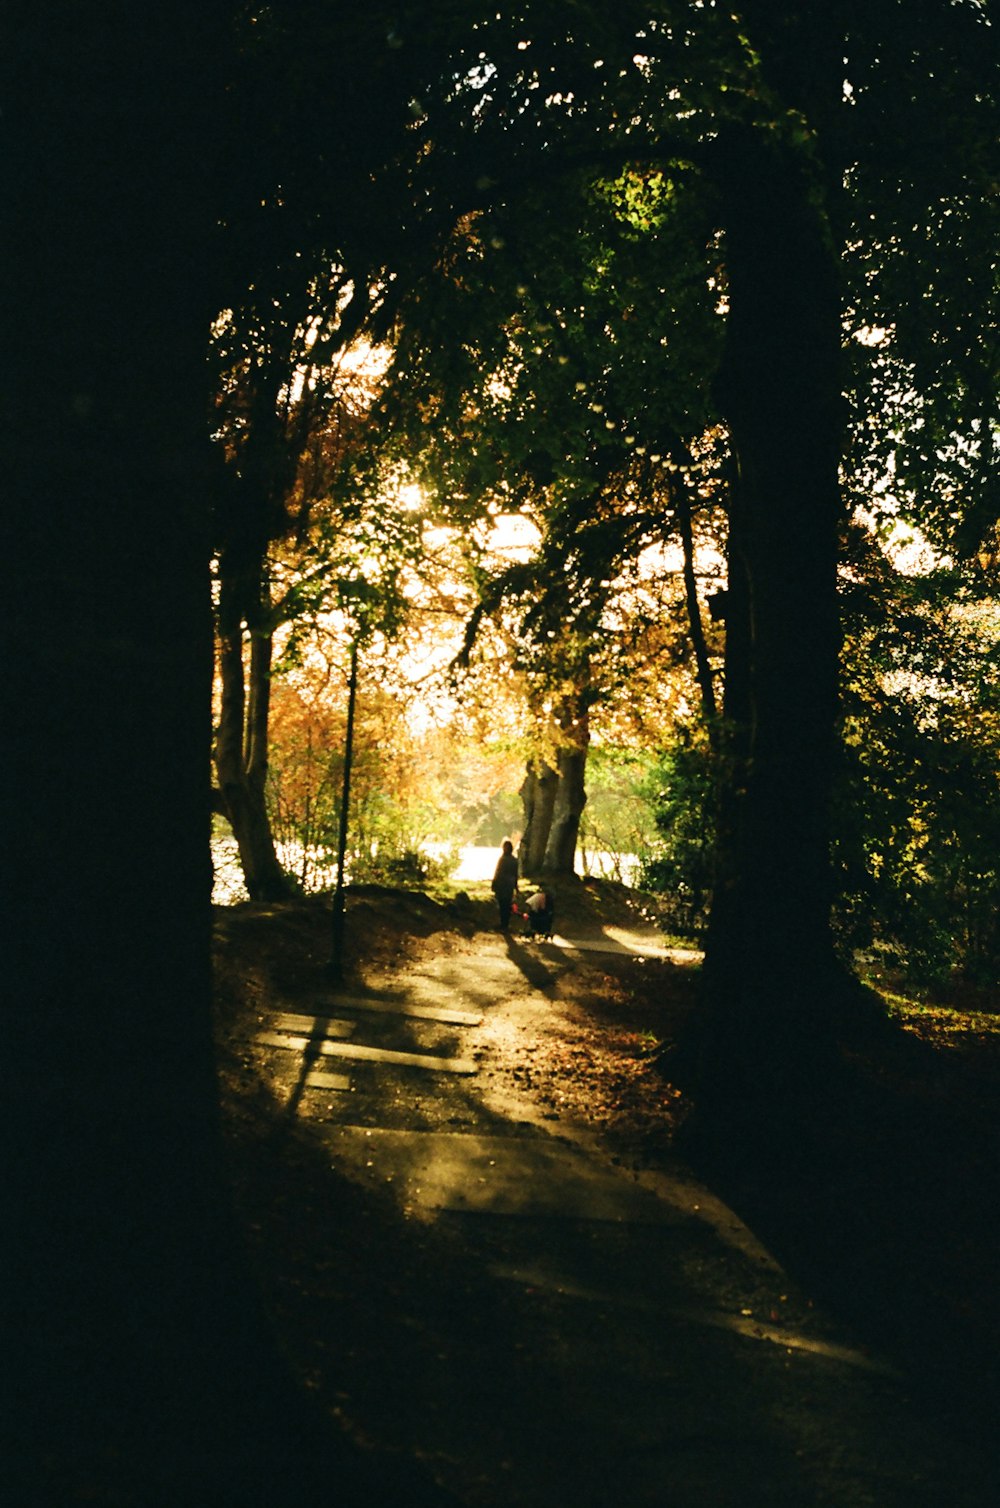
(338, 1082)
(319, 1025)
(316, 1042)
(359, 1053)
(316, 1028)
(382, 1006)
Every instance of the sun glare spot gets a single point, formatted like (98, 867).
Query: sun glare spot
(411, 497)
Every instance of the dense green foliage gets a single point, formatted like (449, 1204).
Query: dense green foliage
(683, 793)
(916, 829)
(918, 798)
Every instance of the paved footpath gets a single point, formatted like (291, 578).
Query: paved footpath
(660, 1357)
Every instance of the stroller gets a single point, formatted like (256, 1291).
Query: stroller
(539, 915)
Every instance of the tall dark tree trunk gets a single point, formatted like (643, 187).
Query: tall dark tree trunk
(116, 1286)
(136, 1365)
(251, 513)
(538, 796)
(257, 744)
(703, 664)
(570, 799)
(770, 964)
(241, 741)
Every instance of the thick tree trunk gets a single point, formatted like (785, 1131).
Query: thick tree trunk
(570, 800)
(770, 965)
(138, 1369)
(116, 1288)
(538, 795)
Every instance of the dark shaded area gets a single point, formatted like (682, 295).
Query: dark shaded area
(896, 1262)
(876, 1196)
(137, 1369)
(878, 1188)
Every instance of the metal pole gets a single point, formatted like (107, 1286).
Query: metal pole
(335, 968)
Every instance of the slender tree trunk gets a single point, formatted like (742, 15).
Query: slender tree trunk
(241, 744)
(703, 665)
(570, 800)
(256, 753)
(538, 795)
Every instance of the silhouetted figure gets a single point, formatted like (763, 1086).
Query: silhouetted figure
(505, 883)
(540, 914)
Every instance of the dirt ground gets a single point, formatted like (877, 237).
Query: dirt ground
(834, 1343)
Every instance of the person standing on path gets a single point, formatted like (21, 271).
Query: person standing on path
(505, 883)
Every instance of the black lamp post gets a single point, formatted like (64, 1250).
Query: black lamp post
(335, 967)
